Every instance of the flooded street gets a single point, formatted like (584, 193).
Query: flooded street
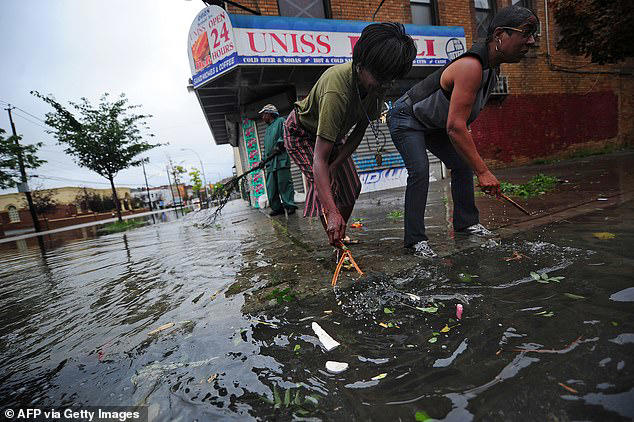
(152, 317)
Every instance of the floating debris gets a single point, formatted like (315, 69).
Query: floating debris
(604, 235)
(328, 342)
(379, 377)
(459, 311)
(161, 328)
(336, 367)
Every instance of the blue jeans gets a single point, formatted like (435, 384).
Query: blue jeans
(412, 143)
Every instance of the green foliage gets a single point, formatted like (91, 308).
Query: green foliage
(105, 138)
(93, 202)
(196, 181)
(545, 278)
(395, 215)
(421, 416)
(9, 164)
(121, 226)
(300, 404)
(281, 296)
(42, 200)
(538, 185)
(599, 29)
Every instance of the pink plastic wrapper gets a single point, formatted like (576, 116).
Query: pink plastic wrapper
(459, 311)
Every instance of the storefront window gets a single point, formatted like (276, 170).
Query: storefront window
(484, 13)
(423, 12)
(302, 8)
(14, 215)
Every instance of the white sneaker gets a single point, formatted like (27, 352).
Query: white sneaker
(477, 230)
(423, 250)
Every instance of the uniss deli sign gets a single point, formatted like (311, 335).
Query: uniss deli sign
(219, 42)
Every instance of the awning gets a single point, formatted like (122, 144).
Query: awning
(240, 61)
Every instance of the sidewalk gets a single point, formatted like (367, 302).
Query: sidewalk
(293, 252)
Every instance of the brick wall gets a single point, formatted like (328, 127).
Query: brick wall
(538, 94)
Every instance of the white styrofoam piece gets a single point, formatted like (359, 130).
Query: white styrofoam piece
(328, 342)
(336, 367)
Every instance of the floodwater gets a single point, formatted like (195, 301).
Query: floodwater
(142, 318)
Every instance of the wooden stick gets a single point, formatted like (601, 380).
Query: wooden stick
(515, 204)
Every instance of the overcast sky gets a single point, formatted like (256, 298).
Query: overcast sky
(83, 48)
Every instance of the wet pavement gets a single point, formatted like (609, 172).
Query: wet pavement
(213, 321)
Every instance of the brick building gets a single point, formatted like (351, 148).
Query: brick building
(548, 105)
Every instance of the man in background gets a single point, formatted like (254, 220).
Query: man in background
(279, 184)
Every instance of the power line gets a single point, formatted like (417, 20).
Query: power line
(30, 121)
(24, 111)
(65, 179)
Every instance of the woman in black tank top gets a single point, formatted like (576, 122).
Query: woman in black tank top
(434, 115)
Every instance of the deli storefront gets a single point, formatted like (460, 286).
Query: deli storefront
(239, 63)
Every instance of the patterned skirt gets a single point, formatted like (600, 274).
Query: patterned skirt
(300, 145)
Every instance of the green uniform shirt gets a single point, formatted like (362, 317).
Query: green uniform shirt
(333, 106)
(274, 135)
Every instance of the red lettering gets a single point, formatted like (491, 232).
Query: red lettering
(353, 40)
(430, 47)
(323, 44)
(294, 39)
(281, 43)
(251, 36)
(307, 43)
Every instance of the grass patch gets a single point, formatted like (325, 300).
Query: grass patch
(538, 185)
(121, 226)
(395, 215)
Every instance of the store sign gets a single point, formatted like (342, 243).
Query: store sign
(219, 41)
(252, 146)
(372, 181)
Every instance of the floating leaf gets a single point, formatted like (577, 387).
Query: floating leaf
(421, 416)
(557, 279)
(573, 296)
(287, 398)
(433, 340)
(544, 276)
(466, 278)
(276, 397)
(379, 377)
(614, 323)
(297, 400)
(388, 310)
(429, 309)
(535, 275)
(543, 281)
(382, 324)
(435, 333)
(604, 235)
(296, 348)
(445, 329)
(161, 328)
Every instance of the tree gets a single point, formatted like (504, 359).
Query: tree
(197, 183)
(9, 159)
(43, 200)
(106, 138)
(599, 29)
(177, 173)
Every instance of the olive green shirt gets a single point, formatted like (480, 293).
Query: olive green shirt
(333, 105)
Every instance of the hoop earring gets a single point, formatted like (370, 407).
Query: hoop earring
(498, 43)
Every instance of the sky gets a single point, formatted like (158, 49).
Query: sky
(84, 48)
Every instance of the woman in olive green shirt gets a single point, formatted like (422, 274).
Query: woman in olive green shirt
(346, 95)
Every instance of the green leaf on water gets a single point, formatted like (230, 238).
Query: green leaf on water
(543, 281)
(435, 333)
(421, 416)
(287, 398)
(379, 377)
(466, 278)
(302, 412)
(574, 296)
(557, 279)
(614, 323)
(296, 348)
(276, 397)
(388, 310)
(433, 340)
(428, 309)
(535, 275)
(297, 400)
(544, 276)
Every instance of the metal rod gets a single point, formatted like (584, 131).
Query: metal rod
(515, 204)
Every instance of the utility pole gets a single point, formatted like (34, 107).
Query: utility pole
(147, 189)
(177, 190)
(25, 186)
(167, 168)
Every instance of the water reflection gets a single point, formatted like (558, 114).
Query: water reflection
(141, 318)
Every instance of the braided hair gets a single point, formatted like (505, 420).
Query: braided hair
(385, 50)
